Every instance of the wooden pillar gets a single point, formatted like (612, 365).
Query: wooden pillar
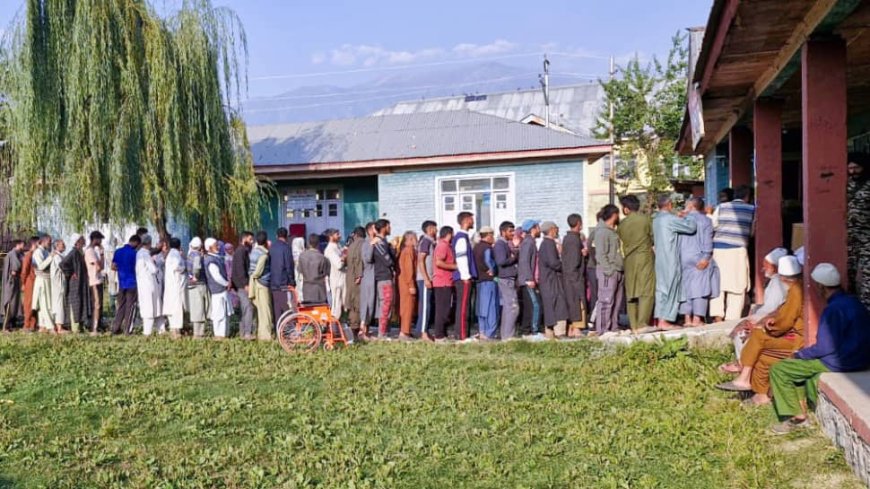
(823, 86)
(740, 157)
(768, 176)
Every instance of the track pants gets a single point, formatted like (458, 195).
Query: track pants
(425, 307)
(463, 305)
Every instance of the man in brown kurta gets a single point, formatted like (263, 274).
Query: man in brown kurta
(781, 334)
(353, 278)
(28, 276)
(636, 234)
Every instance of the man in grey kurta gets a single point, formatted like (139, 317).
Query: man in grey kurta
(314, 268)
(667, 229)
(609, 271)
(10, 302)
(700, 279)
(367, 292)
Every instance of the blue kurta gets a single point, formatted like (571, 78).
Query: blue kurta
(667, 229)
(694, 248)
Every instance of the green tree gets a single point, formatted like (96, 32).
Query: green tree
(120, 115)
(648, 101)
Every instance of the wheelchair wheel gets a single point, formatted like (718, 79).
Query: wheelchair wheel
(299, 333)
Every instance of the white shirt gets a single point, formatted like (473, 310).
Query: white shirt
(215, 273)
(774, 296)
(461, 251)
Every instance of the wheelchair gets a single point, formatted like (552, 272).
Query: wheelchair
(308, 326)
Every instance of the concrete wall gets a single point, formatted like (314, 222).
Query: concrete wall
(545, 191)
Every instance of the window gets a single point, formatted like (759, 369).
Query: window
(491, 198)
(333, 210)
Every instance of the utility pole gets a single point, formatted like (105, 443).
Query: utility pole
(612, 176)
(545, 85)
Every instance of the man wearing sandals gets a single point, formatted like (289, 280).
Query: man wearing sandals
(842, 345)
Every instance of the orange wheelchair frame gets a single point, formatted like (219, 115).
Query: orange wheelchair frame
(307, 326)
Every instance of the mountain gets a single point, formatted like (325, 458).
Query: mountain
(322, 102)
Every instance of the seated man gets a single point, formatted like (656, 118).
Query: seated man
(776, 338)
(842, 345)
(774, 296)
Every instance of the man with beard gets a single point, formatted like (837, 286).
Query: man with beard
(94, 263)
(10, 302)
(240, 276)
(353, 278)
(28, 282)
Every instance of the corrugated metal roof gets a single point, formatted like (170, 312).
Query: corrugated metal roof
(574, 107)
(388, 137)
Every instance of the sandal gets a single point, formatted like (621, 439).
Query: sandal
(732, 387)
(730, 368)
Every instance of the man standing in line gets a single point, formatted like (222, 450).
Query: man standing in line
(700, 275)
(28, 282)
(506, 256)
(59, 309)
(636, 234)
(197, 287)
(425, 269)
(259, 286)
(384, 261)
(609, 271)
(337, 279)
(552, 282)
(592, 269)
(77, 293)
(527, 277)
(858, 225)
(148, 287)
(10, 303)
(174, 288)
(353, 278)
(42, 298)
(487, 290)
(240, 276)
(667, 229)
(124, 263)
(574, 272)
(314, 268)
(466, 271)
(442, 282)
(218, 286)
(734, 225)
(406, 284)
(283, 278)
(94, 260)
(368, 295)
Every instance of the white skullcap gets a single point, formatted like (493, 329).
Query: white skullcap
(788, 266)
(826, 274)
(774, 256)
(75, 239)
(209, 243)
(801, 255)
(196, 243)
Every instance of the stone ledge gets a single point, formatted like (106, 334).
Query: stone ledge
(844, 415)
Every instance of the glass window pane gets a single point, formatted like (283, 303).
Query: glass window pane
(501, 183)
(474, 184)
(483, 211)
(448, 185)
(333, 210)
(319, 210)
(333, 194)
(449, 203)
(320, 195)
(449, 199)
(467, 198)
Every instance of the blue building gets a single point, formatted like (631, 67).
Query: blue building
(411, 167)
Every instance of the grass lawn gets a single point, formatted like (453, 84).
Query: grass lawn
(137, 412)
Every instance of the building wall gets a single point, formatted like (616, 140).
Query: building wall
(544, 191)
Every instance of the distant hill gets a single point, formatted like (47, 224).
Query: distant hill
(324, 102)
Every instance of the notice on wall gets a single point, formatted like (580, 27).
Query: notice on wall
(300, 199)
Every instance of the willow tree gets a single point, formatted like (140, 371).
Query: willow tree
(120, 115)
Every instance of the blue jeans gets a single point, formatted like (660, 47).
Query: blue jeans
(425, 308)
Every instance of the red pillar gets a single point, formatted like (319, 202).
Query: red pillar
(768, 177)
(740, 157)
(823, 87)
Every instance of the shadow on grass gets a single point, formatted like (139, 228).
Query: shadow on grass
(6, 483)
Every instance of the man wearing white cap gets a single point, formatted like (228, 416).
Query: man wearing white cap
(77, 293)
(777, 338)
(197, 290)
(148, 287)
(774, 296)
(842, 345)
(218, 285)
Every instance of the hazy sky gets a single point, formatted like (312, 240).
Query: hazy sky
(342, 42)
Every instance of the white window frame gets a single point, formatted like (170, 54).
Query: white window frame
(439, 195)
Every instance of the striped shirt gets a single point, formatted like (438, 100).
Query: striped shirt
(734, 225)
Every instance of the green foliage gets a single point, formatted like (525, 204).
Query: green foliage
(649, 101)
(118, 115)
(138, 412)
